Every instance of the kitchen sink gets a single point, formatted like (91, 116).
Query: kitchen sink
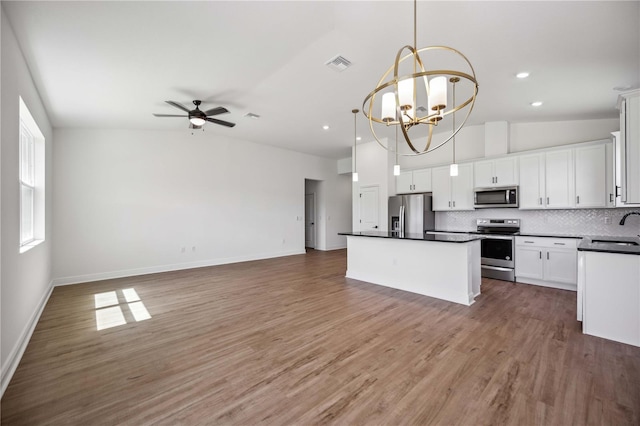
(615, 242)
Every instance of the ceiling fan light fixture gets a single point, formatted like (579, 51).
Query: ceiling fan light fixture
(197, 121)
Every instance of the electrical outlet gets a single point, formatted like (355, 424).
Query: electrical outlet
(607, 220)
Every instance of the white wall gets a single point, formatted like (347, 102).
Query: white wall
(25, 278)
(128, 201)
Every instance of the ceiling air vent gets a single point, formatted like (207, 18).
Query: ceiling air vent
(338, 63)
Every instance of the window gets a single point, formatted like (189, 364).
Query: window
(31, 177)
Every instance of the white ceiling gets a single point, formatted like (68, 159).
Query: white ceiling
(113, 64)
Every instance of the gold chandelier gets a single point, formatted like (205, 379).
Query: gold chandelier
(401, 99)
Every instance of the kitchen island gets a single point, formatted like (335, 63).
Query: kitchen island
(609, 288)
(442, 266)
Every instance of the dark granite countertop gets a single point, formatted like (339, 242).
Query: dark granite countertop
(449, 238)
(610, 244)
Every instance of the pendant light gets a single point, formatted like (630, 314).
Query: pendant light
(396, 167)
(453, 169)
(355, 138)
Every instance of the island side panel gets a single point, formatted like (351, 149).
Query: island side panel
(437, 269)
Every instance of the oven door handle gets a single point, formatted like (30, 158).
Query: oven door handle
(497, 237)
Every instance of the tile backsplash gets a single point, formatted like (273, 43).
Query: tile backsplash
(579, 222)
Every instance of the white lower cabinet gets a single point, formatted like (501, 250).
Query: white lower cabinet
(549, 262)
(610, 296)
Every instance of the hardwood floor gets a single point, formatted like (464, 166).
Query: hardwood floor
(292, 341)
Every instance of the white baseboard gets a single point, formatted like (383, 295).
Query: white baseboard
(340, 247)
(166, 268)
(9, 368)
(561, 286)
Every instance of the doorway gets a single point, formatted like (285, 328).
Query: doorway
(369, 215)
(310, 220)
(311, 194)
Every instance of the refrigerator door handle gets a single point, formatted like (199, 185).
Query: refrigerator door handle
(402, 218)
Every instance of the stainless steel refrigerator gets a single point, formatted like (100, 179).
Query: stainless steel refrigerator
(411, 214)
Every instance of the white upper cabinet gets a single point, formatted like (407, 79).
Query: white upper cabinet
(413, 181)
(559, 179)
(532, 182)
(404, 182)
(453, 192)
(498, 172)
(579, 177)
(593, 178)
(628, 148)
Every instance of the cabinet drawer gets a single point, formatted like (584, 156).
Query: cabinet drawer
(568, 243)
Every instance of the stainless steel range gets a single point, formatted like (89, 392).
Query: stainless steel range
(498, 247)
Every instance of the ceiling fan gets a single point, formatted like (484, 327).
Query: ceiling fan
(197, 118)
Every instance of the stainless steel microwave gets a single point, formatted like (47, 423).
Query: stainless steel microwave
(485, 198)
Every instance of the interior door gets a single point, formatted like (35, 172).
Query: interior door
(310, 220)
(369, 217)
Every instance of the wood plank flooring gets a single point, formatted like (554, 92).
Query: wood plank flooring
(292, 341)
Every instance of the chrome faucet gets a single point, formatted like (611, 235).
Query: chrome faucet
(624, 218)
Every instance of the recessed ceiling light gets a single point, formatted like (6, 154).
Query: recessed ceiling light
(522, 75)
(536, 103)
(325, 127)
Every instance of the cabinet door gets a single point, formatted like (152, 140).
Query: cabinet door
(483, 174)
(591, 177)
(422, 180)
(462, 188)
(532, 181)
(441, 189)
(404, 182)
(559, 179)
(529, 262)
(631, 137)
(561, 266)
(506, 171)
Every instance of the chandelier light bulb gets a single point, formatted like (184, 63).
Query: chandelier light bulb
(405, 94)
(438, 93)
(388, 107)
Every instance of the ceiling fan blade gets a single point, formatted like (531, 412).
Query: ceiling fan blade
(220, 122)
(216, 111)
(177, 105)
(169, 115)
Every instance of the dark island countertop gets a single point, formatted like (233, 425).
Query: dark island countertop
(445, 238)
(621, 245)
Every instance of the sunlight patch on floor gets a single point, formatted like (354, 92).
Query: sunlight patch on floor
(109, 309)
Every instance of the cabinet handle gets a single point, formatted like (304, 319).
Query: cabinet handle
(547, 255)
(547, 200)
(611, 198)
(449, 203)
(540, 253)
(528, 242)
(540, 200)
(577, 199)
(559, 244)
(454, 204)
